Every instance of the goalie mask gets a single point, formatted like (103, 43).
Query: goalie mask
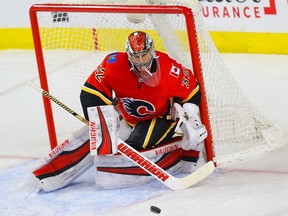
(143, 59)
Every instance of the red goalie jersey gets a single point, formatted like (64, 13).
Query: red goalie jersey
(138, 100)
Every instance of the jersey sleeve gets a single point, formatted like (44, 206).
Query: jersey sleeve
(186, 87)
(96, 91)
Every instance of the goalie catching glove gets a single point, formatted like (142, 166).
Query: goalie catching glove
(192, 126)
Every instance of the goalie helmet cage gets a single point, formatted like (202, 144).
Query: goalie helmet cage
(71, 40)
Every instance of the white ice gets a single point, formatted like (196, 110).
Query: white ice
(258, 187)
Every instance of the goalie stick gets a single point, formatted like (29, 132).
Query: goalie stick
(144, 163)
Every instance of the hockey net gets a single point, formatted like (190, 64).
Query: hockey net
(72, 39)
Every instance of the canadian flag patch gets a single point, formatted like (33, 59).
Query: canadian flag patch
(174, 71)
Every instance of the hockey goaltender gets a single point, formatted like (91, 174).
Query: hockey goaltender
(140, 99)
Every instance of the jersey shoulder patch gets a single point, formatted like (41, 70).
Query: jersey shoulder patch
(112, 58)
(174, 71)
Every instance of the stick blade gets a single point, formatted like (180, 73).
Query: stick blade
(193, 178)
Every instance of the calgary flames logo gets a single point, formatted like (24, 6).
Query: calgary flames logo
(137, 108)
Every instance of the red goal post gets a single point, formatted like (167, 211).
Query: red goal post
(66, 36)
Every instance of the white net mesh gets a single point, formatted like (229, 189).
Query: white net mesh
(74, 43)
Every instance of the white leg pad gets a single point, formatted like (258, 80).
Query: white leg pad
(103, 130)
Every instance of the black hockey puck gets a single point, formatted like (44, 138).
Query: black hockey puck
(155, 209)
